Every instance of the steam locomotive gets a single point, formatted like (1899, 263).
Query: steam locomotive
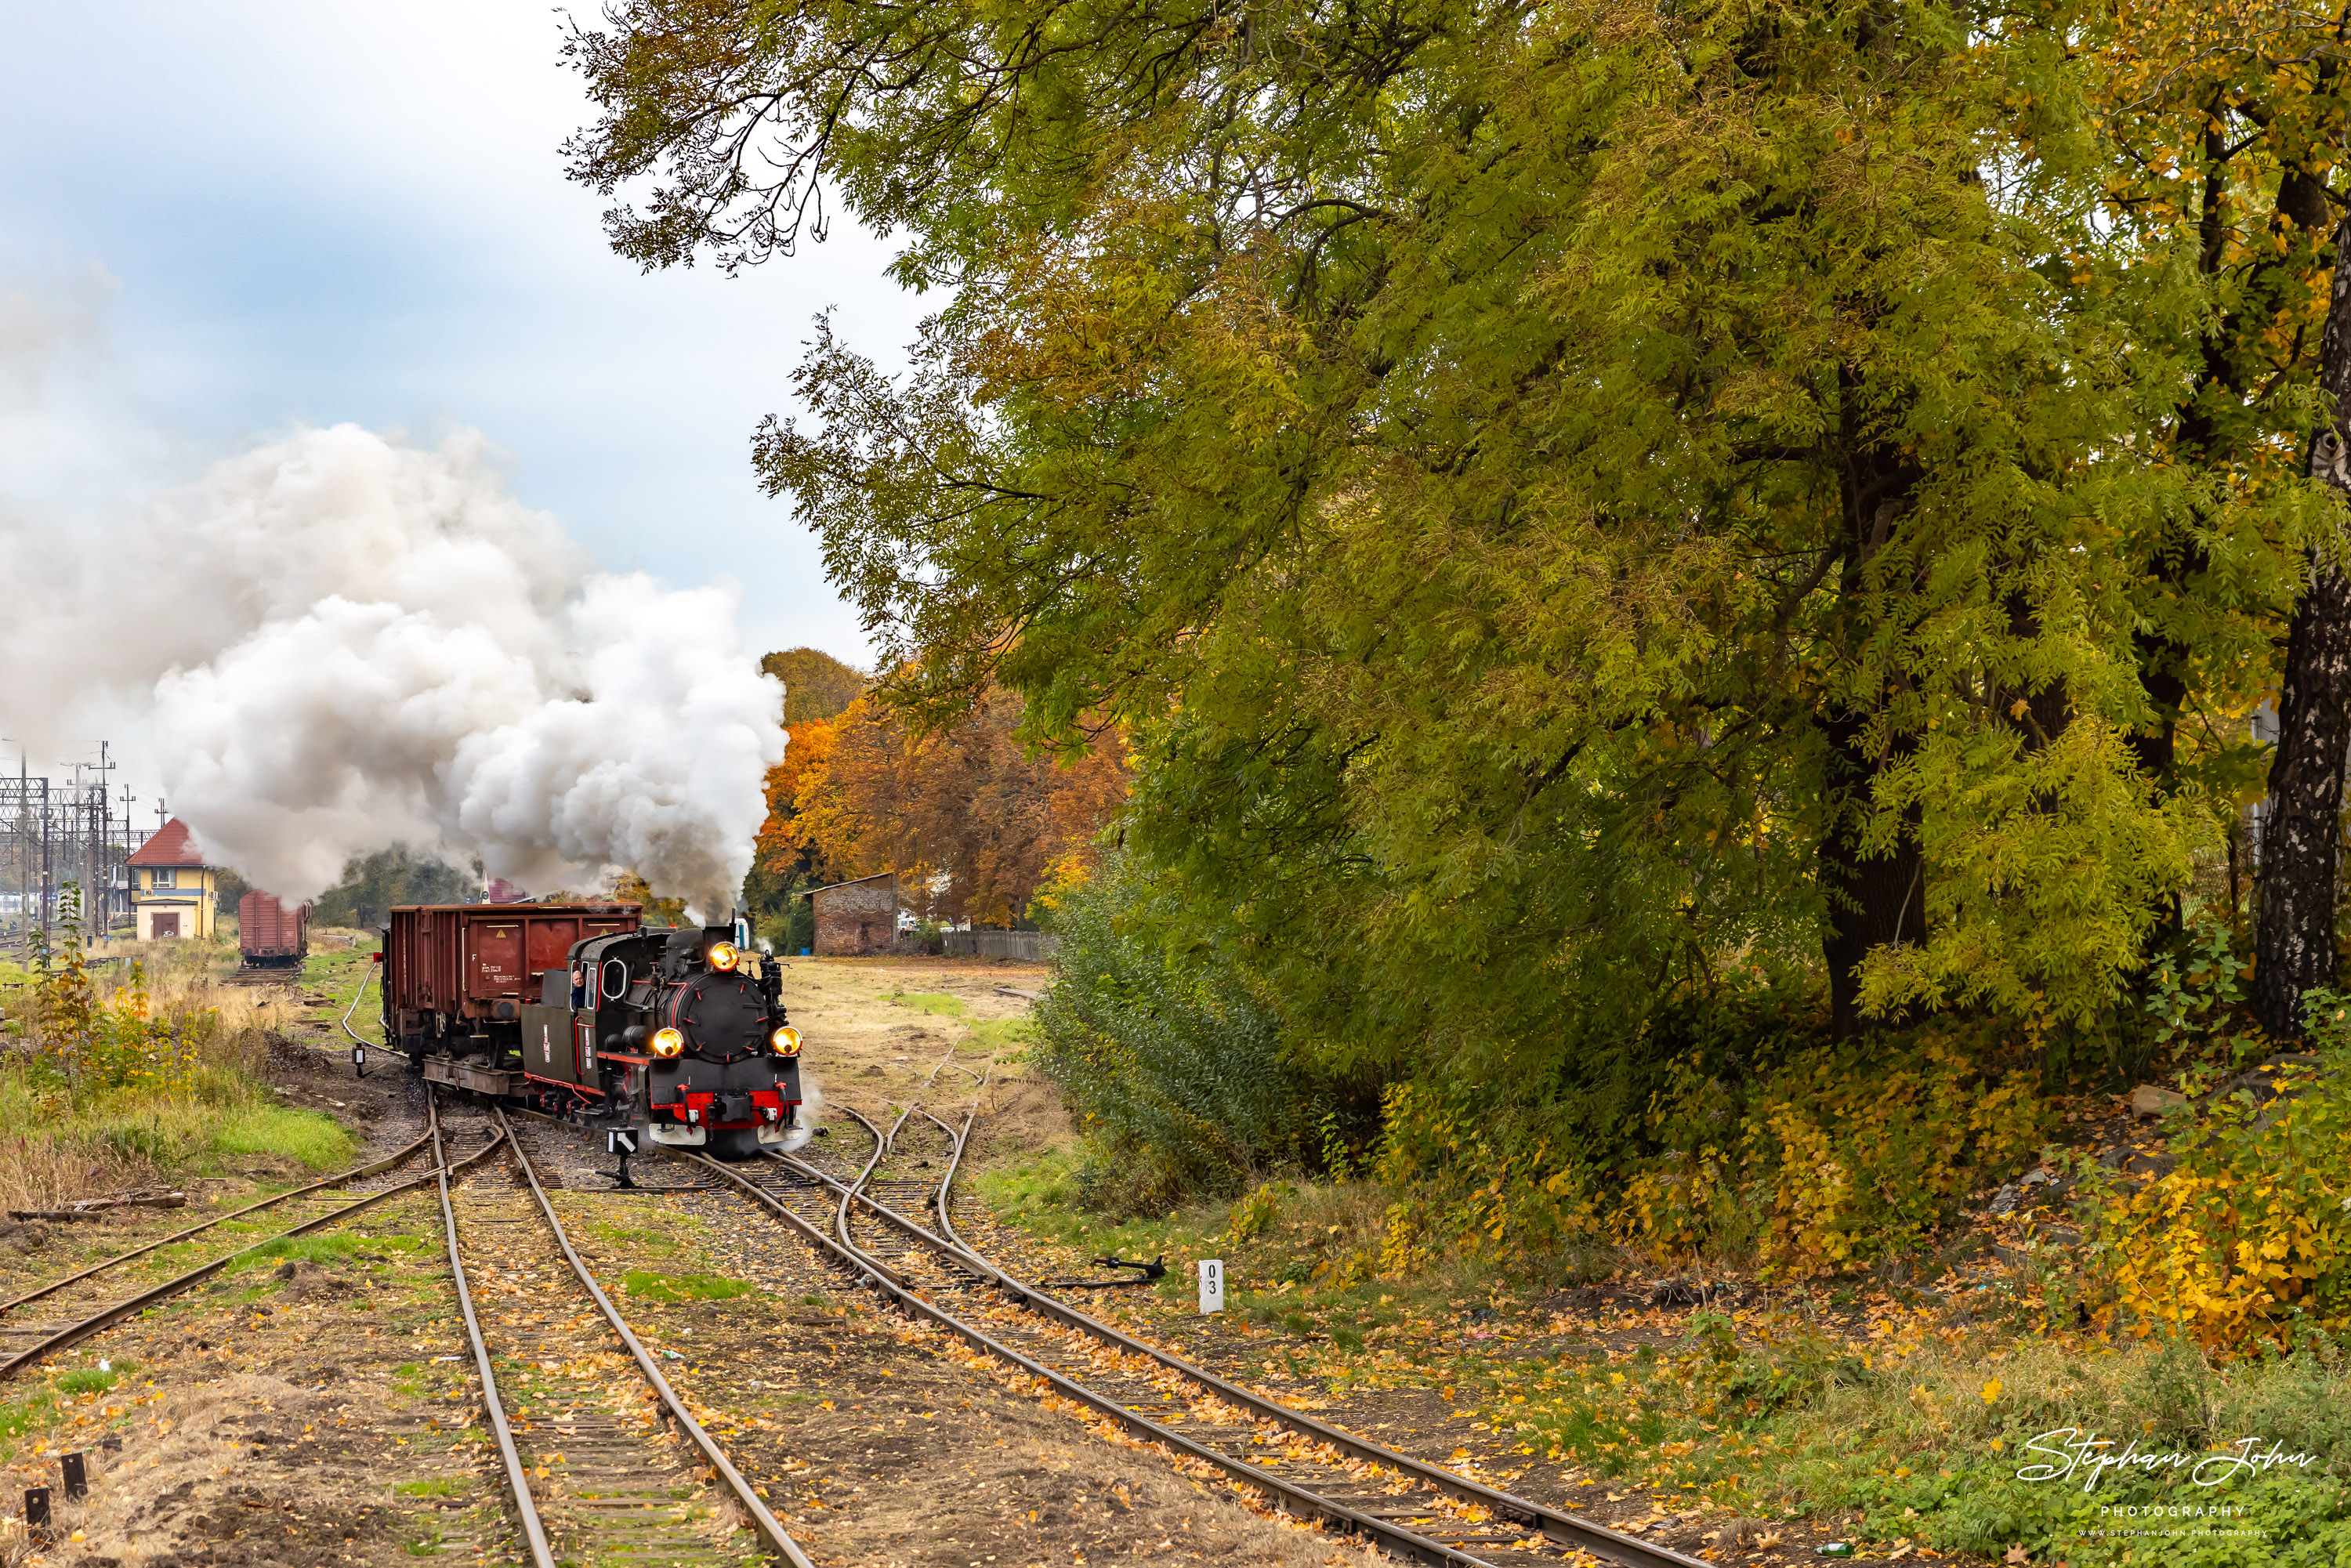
(581, 1011)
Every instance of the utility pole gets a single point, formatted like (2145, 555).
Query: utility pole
(20, 830)
(48, 864)
(123, 853)
(98, 894)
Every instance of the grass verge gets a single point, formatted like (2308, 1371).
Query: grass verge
(1970, 1420)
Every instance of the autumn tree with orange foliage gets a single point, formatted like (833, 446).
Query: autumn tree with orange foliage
(972, 823)
(817, 686)
(784, 851)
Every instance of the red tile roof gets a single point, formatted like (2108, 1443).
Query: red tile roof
(171, 845)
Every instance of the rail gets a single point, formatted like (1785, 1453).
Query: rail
(673, 1408)
(712, 1454)
(397, 1157)
(1288, 1494)
(517, 1475)
(105, 1317)
(1562, 1528)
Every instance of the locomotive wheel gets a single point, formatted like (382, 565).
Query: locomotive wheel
(734, 1143)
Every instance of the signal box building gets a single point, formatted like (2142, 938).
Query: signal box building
(173, 892)
(855, 917)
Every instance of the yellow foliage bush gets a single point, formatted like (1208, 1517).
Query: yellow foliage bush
(1472, 1184)
(2246, 1239)
(1831, 1161)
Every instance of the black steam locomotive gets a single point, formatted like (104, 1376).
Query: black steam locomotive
(578, 1011)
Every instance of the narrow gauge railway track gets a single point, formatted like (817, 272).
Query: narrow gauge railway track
(1408, 1507)
(92, 1297)
(599, 1483)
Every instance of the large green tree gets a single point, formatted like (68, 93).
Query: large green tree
(1583, 507)
(2222, 128)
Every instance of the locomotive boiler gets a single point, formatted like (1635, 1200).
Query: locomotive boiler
(580, 1011)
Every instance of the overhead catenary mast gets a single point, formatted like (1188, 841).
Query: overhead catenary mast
(58, 830)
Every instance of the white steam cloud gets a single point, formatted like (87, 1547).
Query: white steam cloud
(345, 643)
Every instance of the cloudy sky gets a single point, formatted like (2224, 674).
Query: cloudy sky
(255, 215)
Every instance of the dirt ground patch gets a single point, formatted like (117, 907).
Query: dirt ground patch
(874, 1050)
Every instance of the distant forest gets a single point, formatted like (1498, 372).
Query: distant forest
(373, 884)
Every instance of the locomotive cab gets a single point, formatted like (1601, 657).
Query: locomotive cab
(669, 1031)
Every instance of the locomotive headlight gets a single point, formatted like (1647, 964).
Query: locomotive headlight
(725, 956)
(668, 1042)
(787, 1040)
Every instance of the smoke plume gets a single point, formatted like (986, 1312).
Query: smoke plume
(346, 643)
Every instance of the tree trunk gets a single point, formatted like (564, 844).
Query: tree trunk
(2178, 568)
(2302, 831)
(1873, 901)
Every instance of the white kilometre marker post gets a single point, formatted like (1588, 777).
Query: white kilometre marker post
(1212, 1284)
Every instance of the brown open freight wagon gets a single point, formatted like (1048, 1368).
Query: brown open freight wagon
(455, 976)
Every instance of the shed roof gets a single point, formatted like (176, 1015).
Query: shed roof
(877, 876)
(171, 845)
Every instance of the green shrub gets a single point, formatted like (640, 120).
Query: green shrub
(1834, 1156)
(2246, 1241)
(1181, 1080)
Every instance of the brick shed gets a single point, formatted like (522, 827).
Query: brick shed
(859, 916)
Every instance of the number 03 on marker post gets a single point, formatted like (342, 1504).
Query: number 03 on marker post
(1212, 1285)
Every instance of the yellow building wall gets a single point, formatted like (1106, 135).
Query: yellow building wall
(199, 918)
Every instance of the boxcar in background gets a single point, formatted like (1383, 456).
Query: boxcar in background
(269, 935)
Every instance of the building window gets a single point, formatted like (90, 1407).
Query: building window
(164, 877)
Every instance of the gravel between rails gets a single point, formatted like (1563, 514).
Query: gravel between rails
(588, 1447)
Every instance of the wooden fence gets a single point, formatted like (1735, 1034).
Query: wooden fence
(1028, 946)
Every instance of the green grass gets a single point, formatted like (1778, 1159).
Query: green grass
(651, 1287)
(336, 975)
(402, 1243)
(1042, 1194)
(315, 1139)
(937, 1002)
(439, 1486)
(38, 1409)
(30, 1414)
(322, 1249)
(1911, 1432)
(1003, 1034)
(1296, 1254)
(654, 1240)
